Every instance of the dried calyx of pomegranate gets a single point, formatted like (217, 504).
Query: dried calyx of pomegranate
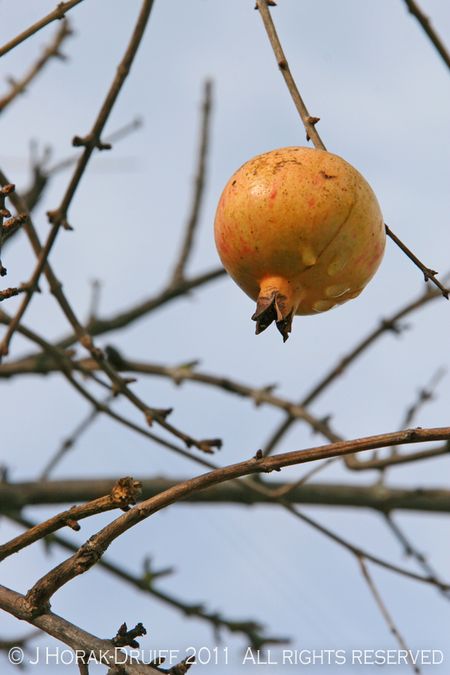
(300, 231)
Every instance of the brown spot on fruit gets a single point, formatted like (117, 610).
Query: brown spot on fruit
(327, 176)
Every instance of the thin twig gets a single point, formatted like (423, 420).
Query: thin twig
(424, 396)
(428, 273)
(178, 374)
(57, 13)
(69, 442)
(52, 51)
(308, 121)
(115, 136)
(58, 217)
(429, 30)
(146, 583)
(141, 309)
(96, 287)
(385, 613)
(19, 641)
(41, 173)
(411, 551)
(124, 492)
(311, 133)
(354, 549)
(199, 185)
(397, 459)
(66, 368)
(390, 324)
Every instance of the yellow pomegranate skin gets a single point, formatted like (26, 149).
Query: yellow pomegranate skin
(300, 231)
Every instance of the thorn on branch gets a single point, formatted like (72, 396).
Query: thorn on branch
(126, 638)
(207, 444)
(270, 3)
(184, 370)
(150, 574)
(73, 524)
(394, 327)
(259, 395)
(324, 422)
(313, 121)
(129, 380)
(90, 142)
(157, 413)
(117, 387)
(60, 55)
(57, 219)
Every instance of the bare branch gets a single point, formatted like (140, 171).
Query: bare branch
(115, 136)
(424, 396)
(39, 595)
(69, 442)
(411, 551)
(428, 273)
(52, 51)
(124, 492)
(309, 122)
(429, 30)
(384, 611)
(357, 551)
(141, 309)
(77, 638)
(66, 368)
(397, 459)
(57, 14)
(199, 185)
(41, 173)
(385, 499)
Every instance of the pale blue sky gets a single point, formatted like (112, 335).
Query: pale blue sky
(382, 93)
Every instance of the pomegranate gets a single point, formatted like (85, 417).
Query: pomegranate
(300, 231)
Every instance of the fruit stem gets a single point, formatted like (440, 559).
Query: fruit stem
(276, 303)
